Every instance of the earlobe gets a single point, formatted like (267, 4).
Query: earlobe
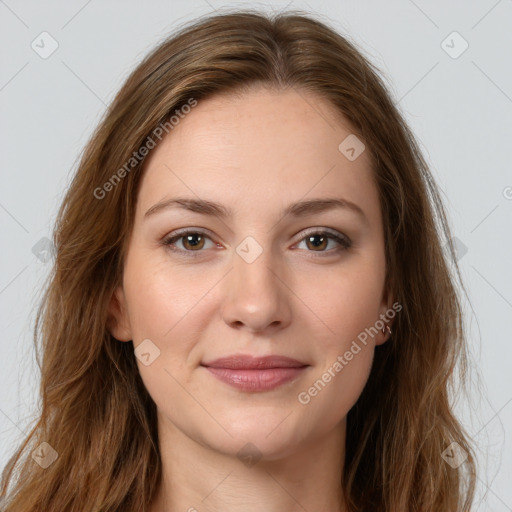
(118, 323)
(387, 317)
(385, 334)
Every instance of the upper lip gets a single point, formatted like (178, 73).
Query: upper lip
(247, 362)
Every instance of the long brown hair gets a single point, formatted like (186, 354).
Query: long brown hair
(95, 411)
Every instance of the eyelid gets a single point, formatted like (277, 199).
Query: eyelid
(325, 231)
(343, 241)
(171, 238)
(186, 231)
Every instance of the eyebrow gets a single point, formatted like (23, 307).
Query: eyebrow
(298, 209)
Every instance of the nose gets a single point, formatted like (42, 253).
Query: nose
(256, 295)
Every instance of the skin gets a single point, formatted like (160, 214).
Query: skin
(255, 154)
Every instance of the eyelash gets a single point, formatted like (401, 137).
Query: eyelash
(344, 242)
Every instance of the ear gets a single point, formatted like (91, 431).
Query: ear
(387, 314)
(118, 322)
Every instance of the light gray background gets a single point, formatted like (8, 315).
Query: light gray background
(459, 108)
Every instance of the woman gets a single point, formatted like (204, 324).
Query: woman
(250, 307)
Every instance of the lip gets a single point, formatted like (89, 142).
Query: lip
(247, 362)
(248, 373)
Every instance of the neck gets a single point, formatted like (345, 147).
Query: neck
(198, 478)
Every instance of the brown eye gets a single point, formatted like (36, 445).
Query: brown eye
(317, 242)
(188, 242)
(193, 242)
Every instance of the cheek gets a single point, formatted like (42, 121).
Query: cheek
(169, 308)
(345, 301)
(161, 297)
(330, 397)
(336, 385)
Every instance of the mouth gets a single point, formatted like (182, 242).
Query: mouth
(256, 374)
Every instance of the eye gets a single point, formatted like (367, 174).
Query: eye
(318, 241)
(191, 241)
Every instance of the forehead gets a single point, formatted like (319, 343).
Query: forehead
(260, 146)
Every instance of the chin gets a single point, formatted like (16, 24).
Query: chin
(267, 435)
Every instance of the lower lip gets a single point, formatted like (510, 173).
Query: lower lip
(256, 380)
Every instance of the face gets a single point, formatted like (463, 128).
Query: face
(276, 267)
